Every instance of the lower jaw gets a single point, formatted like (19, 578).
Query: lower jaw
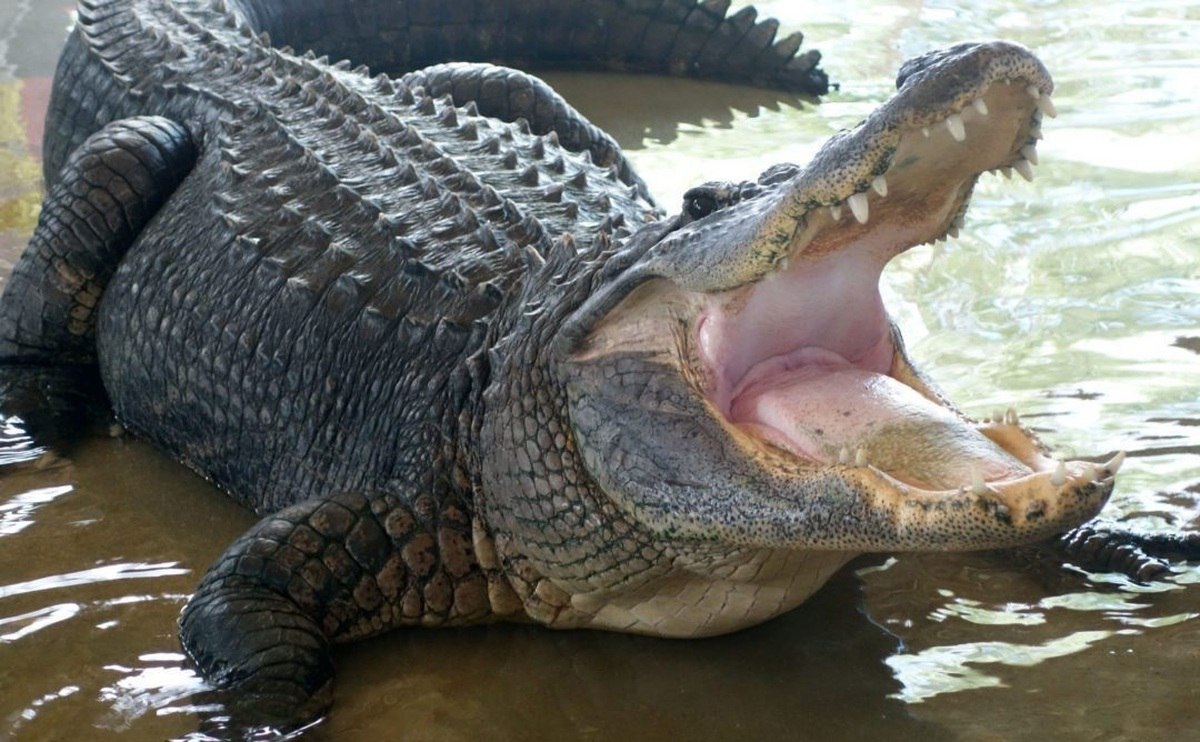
(845, 415)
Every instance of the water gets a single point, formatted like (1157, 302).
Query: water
(1073, 298)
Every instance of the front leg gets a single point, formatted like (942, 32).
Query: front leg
(328, 570)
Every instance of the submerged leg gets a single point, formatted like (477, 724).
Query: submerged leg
(1139, 556)
(108, 190)
(508, 95)
(327, 570)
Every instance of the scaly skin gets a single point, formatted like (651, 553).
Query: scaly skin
(466, 370)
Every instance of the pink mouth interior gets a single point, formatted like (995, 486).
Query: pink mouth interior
(803, 359)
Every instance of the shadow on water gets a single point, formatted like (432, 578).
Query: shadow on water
(816, 673)
(45, 413)
(616, 103)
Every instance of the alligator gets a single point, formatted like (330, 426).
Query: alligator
(434, 329)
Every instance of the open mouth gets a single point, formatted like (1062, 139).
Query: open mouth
(805, 360)
(737, 376)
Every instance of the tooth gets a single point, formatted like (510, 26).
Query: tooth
(858, 204)
(782, 265)
(836, 212)
(1033, 92)
(952, 231)
(954, 123)
(1046, 106)
(844, 456)
(1025, 169)
(1059, 477)
(977, 485)
(997, 416)
(1091, 472)
(1029, 152)
(980, 106)
(1006, 172)
(1036, 132)
(960, 221)
(1114, 464)
(1010, 416)
(860, 457)
(925, 131)
(880, 185)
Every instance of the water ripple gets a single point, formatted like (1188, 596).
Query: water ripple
(939, 670)
(37, 620)
(107, 573)
(17, 514)
(16, 445)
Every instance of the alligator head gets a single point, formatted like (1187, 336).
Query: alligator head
(737, 386)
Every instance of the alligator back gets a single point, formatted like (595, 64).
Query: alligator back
(297, 317)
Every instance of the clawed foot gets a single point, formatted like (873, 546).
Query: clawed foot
(1144, 557)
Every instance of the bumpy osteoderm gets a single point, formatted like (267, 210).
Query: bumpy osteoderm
(434, 329)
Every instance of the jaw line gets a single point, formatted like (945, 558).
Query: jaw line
(842, 248)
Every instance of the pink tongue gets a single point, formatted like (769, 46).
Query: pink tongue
(816, 411)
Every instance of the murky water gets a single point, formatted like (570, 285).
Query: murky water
(1076, 298)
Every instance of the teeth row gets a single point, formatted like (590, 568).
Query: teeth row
(858, 202)
(1007, 417)
(1023, 166)
(958, 129)
(958, 223)
(1059, 477)
(1044, 104)
(858, 458)
(979, 487)
(1091, 471)
(858, 205)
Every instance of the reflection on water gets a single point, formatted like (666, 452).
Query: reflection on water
(1074, 298)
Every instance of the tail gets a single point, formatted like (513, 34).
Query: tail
(674, 37)
(671, 37)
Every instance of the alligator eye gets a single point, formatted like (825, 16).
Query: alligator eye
(699, 205)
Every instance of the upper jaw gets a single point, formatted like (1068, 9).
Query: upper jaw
(900, 178)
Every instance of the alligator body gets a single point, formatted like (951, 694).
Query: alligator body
(432, 327)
